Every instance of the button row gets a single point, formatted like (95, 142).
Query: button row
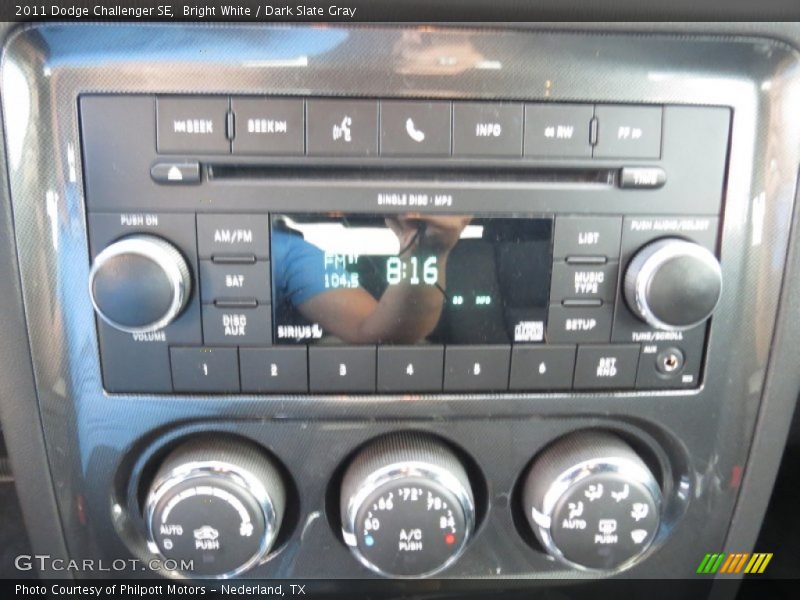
(402, 369)
(350, 127)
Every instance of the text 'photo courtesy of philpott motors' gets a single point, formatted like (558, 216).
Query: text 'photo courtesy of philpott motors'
(409, 278)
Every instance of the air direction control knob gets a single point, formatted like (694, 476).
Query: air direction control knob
(139, 283)
(673, 284)
(407, 508)
(215, 504)
(592, 502)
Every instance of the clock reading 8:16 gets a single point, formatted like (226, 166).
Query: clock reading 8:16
(398, 270)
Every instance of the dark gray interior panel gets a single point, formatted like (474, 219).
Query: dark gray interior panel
(87, 130)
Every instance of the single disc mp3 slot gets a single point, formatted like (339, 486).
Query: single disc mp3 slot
(598, 177)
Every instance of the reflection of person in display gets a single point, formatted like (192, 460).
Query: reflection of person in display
(405, 313)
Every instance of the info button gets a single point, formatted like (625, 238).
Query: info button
(487, 129)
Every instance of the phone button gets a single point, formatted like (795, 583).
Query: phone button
(410, 128)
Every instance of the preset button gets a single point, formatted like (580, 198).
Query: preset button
(205, 369)
(341, 369)
(410, 368)
(476, 368)
(542, 367)
(274, 370)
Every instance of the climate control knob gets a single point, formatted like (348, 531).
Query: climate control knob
(592, 502)
(673, 284)
(215, 505)
(140, 283)
(407, 507)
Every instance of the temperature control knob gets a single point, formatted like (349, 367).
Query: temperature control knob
(139, 283)
(216, 505)
(673, 284)
(406, 505)
(592, 502)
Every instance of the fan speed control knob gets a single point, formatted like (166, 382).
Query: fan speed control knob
(592, 502)
(215, 507)
(673, 284)
(139, 283)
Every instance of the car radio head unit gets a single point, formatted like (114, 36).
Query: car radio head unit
(296, 245)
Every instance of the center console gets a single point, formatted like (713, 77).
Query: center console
(399, 302)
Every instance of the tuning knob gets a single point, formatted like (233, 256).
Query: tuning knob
(592, 502)
(216, 505)
(407, 507)
(140, 283)
(673, 284)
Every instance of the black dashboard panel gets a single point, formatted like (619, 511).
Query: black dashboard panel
(736, 168)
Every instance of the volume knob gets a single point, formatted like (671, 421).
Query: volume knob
(140, 283)
(672, 284)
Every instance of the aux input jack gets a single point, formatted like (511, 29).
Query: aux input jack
(670, 362)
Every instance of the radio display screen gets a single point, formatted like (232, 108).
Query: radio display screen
(344, 278)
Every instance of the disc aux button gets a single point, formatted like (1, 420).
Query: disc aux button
(231, 326)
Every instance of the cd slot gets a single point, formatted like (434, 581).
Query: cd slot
(228, 172)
